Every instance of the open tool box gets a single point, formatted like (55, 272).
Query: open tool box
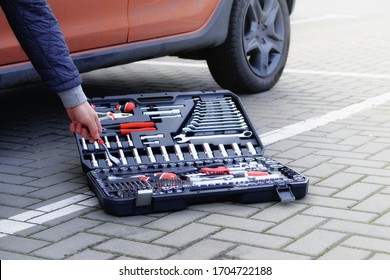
(165, 151)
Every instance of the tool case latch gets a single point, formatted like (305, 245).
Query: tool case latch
(144, 198)
(285, 194)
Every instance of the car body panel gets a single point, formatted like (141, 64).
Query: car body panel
(116, 40)
(155, 19)
(87, 24)
(90, 24)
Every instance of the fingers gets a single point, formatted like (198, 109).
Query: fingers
(99, 130)
(72, 127)
(79, 128)
(85, 121)
(75, 127)
(83, 131)
(93, 124)
(99, 125)
(93, 132)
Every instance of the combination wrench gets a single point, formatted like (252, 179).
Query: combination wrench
(219, 123)
(199, 119)
(182, 138)
(217, 114)
(190, 128)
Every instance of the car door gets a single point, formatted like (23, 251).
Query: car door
(87, 24)
(150, 19)
(10, 51)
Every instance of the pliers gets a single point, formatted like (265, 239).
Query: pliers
(112, 116)
(127, 128)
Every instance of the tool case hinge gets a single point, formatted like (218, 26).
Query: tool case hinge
(144, 198)
(284, 192)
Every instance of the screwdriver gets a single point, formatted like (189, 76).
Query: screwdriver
(126, 108)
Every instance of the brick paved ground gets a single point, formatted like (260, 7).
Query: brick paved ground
(339, 59)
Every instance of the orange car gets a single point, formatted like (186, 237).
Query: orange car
(244, 42)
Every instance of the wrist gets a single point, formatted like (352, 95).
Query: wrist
(72, 97)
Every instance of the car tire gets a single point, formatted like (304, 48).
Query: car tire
(253, 57)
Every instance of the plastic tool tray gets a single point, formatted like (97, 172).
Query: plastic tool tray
(165, 151)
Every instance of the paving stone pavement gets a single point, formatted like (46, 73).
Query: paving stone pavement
(339, 59)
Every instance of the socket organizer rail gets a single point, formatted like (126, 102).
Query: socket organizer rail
(164, 151)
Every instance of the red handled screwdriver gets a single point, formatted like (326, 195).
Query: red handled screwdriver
(128, 107)
(125, 108)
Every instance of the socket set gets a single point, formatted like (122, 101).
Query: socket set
(164, 151)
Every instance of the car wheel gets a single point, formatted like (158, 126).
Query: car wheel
(254, 54)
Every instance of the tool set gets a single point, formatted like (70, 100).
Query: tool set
(163, 152)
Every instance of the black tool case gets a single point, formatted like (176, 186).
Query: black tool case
(176, 149)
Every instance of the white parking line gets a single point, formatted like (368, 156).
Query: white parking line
(310, 124)
(76, 203)
(43, 214)
(338, 74)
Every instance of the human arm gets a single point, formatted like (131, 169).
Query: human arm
(41, 37)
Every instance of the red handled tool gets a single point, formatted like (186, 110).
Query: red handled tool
(224, 170)
(158, 176)
(131, 125)
(126, 108)
(127, 128)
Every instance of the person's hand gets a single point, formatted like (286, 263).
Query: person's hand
(85, 121)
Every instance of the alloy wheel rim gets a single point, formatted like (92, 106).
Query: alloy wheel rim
(263, 36)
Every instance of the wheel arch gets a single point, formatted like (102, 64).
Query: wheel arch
(290, 5)
(229, 64)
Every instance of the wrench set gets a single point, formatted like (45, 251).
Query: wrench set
(165, 151)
